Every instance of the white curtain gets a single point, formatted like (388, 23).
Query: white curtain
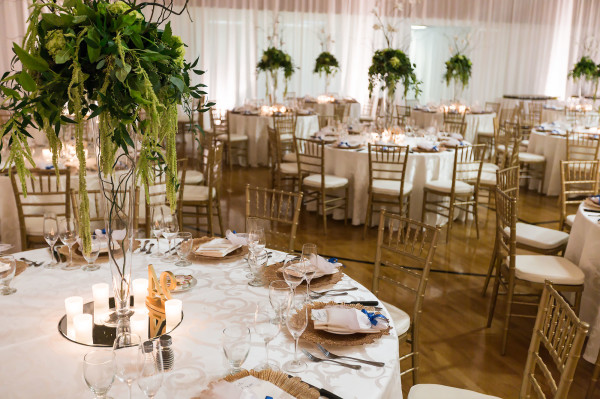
(517, 46)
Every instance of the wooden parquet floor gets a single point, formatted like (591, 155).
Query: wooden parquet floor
(457, 348)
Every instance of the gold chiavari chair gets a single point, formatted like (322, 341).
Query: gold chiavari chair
(487, 137)
(578, 179)
(511, 153)
(281, 209)
(235, 145)
(325, 120)
(157, 194)
(316, 185)
(403, 112)
(285, 126)
(44, 193)
(189, 127)
(341, 112)
(526, 272)
(454, 122)
(561, 333)
(529, 237)
(206, 199)
(387, 172)
(462, 190)
(582, 146)
(405, 250)
(367, 111)
(281, 171)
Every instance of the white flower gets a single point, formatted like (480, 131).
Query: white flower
(391, 28)
(377, 26)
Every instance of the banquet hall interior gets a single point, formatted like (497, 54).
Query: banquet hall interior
(300, 199)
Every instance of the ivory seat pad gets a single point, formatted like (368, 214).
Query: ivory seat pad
(539, 268)
(330, 181)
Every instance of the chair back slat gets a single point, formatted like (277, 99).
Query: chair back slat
(579, 179)
(388, 162)
(506, 212)
(469, 162)
(454, 122)
(341, 112)
(285, 124)
(310, 156)
(582, 146)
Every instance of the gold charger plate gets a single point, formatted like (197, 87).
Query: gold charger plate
(233, 255)
(21, 266)
(327, 338)
(272, 273)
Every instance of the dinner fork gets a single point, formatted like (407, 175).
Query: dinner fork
(149, 250)
(334, 290)
(318, 360)
(334, 356)
(143, 248)
(319, 295)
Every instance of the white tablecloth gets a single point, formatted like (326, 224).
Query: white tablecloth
(582, 250)
(39, 362)
(255, 127)
(553, 115)
(475, 122)
(554, 149)
(328, 109)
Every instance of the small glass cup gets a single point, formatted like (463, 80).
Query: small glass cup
(156, 228)
(95, 245)
(8, 267)
(236, 345)
(99, 371)
(184, 244)
(257, 261)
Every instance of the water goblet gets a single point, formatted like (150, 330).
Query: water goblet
(151, 373)
(156, 228)
(266, 326)
(95, 245)
(127, 358)
(279, 296)
(257, 261)
(51, 236)
(8, 267)
(296, 321)
(236, 345)
(309, 255)
(68, 235)
(184, 244)
(99, 371)
(170, 230)
(293, 271)
(256, 240)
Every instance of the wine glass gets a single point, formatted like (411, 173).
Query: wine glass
(279, 296)
(127, 358)
(68, 235)
(236, 345)
(170, 229)
(293, 271)
(99, 371)
(151, 373)
(266, 326)
(8, 267)
(257, 261)
(156, 228)
(309, 255)
(296, 321)
(51, 236)
(256, 240)
(184, 244)
(95, 245)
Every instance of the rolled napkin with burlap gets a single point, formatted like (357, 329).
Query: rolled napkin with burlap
(427, 146)
(236, 238)
(342, 320)
(451, 142)
(245, 388)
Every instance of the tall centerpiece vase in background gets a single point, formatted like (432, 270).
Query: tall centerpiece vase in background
(272, 86)
(389, 107)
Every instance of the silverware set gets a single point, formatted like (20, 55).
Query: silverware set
(31, 263)
(332, 292)
(333, 358)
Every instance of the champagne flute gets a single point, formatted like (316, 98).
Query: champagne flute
(127, 358)
(51, 236)
(170, 229)
(184, 244)
(266, 326)
(296, 321)
(257, 261)
(95, 245)
(156, 228)
(309, 255)
(151, 373)
(236, 345)
(8, 267)
(99, 371)
(279, 296)
(68, 235)
(293, 272)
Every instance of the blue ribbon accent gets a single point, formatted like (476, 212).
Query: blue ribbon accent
(234, 232)
(344, 144)
(555, 131)
(332, 260)
(373, 316)
(103, 231)
(49, 167)
(435, 148)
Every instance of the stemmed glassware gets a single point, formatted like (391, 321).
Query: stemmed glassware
(68, 235)
(8, 267)
(256, 240)
(257, 261)
(309, 256)
(296, 321)
(293, 271)
(279, 296)
(236, 345)
(170, 229)
(184, 244)
(51, 236)
(127, 358)
(151, 372)
(266, 326)
(99, 371)
(156, 228)
(95, 245)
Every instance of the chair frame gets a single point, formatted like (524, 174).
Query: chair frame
(454, 122)
(231, 149)
(278, 177)
(341, 112)
(574, 177)
(582, 146)
(283, 125)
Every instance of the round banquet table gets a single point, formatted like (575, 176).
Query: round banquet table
(39, 362)
(553, 114)
(354, 165)
(476, 122)
(255, 127)
(328, 109)
(582, 250)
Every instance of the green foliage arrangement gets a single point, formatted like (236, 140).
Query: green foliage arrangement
(458, 68)
(274, 59)
(326, 63)
(585, 69)
(102, 59)
(390, 66)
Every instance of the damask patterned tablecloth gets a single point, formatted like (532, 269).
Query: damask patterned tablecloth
(38, 362)
(582, 250)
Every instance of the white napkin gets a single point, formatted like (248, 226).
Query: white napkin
(325, 267)
(457, 136)
(4, 267)
(245, 388)
(451, 142)
(236, 239)
(595, 199)
(338, 319)
(427, 146)
(217, 248)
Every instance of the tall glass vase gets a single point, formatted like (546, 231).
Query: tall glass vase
(272, 87)
(327, 82)
(389, 108)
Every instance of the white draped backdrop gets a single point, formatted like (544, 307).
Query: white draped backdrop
(517, 46)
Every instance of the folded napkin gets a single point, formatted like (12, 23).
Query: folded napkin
(217, 248)
(457, 136)
(595, 199)
(325, 266)
(235, 238)
(342, 320)
(245, 388)
(427, 146)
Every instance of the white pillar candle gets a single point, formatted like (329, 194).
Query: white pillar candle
(139, 324)
(173, 308)
(100, 292)
(83, 328)
(140, 291)
(73, 307)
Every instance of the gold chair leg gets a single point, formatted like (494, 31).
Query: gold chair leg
(594, 381)
(415, 361)
(368, 216)
(450, 219)
(490, 268)
(494, 297)
(322, 195)
(219, 216)
(209, 209)
(346, 205)
(476, 216)
(424, 206)
(509, 304)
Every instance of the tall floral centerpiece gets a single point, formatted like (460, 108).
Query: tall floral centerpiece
(586, 70)
(458, 71)
(101, 63)
(272, 60)
(326, 63)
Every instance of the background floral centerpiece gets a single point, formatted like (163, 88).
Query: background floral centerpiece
(326, 63)
(458, 67)
(586, 70)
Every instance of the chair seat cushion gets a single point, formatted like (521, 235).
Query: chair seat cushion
(445, 186)
(488, 179)
(539, 237)
(289, 157)
(366, 119)
(286, 137)
(524, 143)
(390, 187)
(193, 177)
(330, 181)
(289, 168)
(539, 268)
(233, 137)
(531, 158)
(489, 167)
(400, 319)
(501, 148)
(486, 134)
(570, 219)
(434, 391)
(196, 193)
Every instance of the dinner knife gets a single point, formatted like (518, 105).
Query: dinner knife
(591, 210)
(322, 391)
(364, 303)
